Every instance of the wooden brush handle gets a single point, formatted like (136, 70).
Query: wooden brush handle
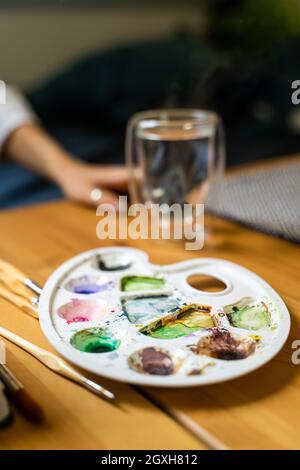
(19, 302)
(14, 285)
(17, 281)
(56, 364)
(49, 359)
(12, 272)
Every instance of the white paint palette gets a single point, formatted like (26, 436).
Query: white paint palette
(112, 312)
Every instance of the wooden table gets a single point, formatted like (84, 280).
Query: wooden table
(258, 411)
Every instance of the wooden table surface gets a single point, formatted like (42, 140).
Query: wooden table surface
(258, 411)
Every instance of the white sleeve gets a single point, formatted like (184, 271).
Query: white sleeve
(13, 113)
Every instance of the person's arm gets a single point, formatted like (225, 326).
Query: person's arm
(25, 142)
(32, 147)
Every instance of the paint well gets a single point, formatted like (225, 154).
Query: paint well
(141, 283)
(113, 262)
(80, 310)
(144, 309)
(249, 314)
(94, 340)
(89, 284)
(152, 360)
(221, 344)
(184, 321)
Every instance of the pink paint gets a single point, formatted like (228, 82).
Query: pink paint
(79, 310)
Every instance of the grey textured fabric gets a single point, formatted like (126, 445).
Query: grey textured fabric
(267, 199)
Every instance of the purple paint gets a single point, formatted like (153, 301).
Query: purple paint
(89, 284)
(86, 289)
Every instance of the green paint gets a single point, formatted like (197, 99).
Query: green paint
(252, 317)
(186, 323)
(94, 340)
(141, 283)
(172, 331)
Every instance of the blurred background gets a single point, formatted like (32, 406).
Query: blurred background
(45, 36)
(87, 65)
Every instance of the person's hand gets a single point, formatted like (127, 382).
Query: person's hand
(31, 146)
(80, 181)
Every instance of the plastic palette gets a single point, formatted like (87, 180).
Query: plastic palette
(112, 312)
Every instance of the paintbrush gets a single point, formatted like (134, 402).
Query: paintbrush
(56, 364)
(17, 393)
(15, 279)
(26, 305)
(14, 287)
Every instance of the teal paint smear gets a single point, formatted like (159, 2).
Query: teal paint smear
(94, 340)
(141, 283)
(143, 309)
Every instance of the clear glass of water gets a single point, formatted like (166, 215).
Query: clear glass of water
(175, 156)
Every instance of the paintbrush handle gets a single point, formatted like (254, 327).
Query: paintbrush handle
(19, 302)
(55, 363)
(11, 271)
(14, 285)
(34, 286)
(15, 279)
